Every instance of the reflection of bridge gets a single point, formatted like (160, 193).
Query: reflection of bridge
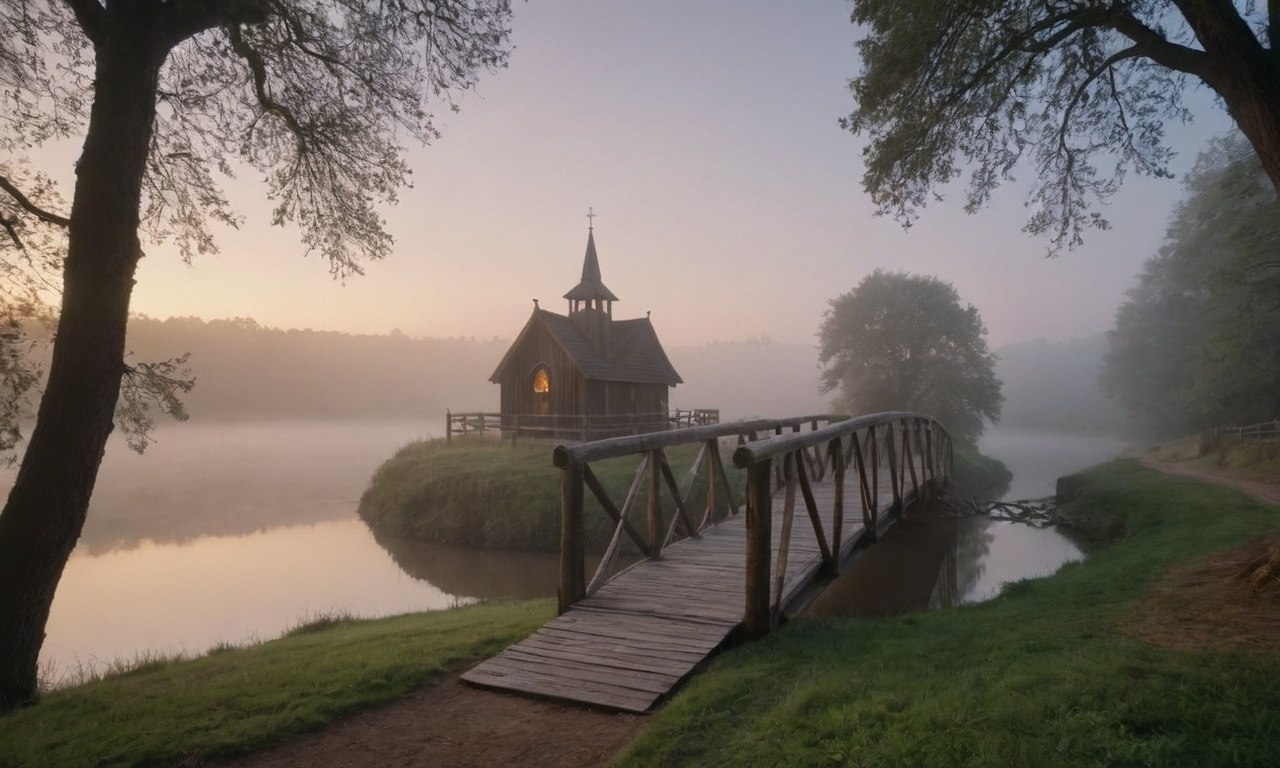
(818, 490)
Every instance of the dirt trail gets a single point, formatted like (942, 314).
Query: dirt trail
(1265, 492)
(453, 724)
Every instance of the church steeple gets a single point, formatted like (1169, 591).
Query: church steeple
(590, 292)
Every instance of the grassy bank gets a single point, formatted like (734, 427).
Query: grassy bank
(233, 700)
(493, 493)
(1048, 674)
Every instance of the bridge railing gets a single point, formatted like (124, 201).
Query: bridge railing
(912, 447)
(653, 480)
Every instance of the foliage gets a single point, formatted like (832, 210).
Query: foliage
(1197, 343)
(313, 95)
(1043, 675)
(1081, 88)
(233, 700)
(977, 476)
(903, 342)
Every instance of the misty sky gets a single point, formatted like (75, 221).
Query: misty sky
(729, 201)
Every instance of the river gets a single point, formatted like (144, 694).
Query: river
(233, 532)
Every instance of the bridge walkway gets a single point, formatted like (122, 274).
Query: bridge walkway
(645, 631)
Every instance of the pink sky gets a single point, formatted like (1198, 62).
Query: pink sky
(729, 201)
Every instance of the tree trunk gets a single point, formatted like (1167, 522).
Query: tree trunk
(45, 513)
(1244, 73)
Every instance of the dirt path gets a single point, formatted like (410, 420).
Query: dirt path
(453, 724)
(1265, 492)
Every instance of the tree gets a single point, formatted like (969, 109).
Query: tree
(903, 342)
(1082, 87)
(1197, 343)
(169, 94)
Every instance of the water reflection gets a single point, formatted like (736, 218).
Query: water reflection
(936, 562)
(487, 574)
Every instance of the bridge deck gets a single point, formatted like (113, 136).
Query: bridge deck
(642, 633)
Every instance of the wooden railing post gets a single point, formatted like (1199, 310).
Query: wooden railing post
(448, 426)
(573, 570)
(875, 483)
(757, 617)
(654, 505)
(836, 453)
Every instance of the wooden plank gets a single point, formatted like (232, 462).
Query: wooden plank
(641, 633)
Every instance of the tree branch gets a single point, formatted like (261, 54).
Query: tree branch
(259, 71)
(13, 233)
(91, 16)
(1155, 47)
(1132, 52)
(32, 208)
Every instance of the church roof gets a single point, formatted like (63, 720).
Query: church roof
(637, 355)
(591, 286)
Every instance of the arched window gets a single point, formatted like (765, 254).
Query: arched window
(542, 380)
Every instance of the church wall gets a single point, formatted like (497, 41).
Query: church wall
(568, 387)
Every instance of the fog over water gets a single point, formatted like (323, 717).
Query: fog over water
(230, 532)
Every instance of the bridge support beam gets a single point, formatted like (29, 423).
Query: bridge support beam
(573, 564)
(757, 616)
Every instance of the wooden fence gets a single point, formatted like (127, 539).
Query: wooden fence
(794, 453)
(912, 446)
(1262, 432)
(574, 426)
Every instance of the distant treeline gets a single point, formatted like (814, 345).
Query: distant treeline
(1197, 344)
(245, 370)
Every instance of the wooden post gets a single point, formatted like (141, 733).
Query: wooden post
(836, 453)
(790, 469)
(448, 426)
(932, 466)
(875, 483)
(908, 428)
(713, 456)
(891, 447)
(573, 570)
(654, 505)
(757, 619)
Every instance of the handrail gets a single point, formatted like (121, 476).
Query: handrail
(912, 449)
(892, 432)
(613, 447)
(653, 478)
(780, 444)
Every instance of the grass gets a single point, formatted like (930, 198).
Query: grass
(1045, 675)
(493, 493)
(168, 712)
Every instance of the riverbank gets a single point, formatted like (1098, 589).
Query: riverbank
(1063, 671)
(1076, 669)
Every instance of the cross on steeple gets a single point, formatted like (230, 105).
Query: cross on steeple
(590, 215)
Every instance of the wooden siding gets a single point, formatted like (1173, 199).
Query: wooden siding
(568, 387)
(571, 393)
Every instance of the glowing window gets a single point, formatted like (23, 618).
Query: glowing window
(541, 381)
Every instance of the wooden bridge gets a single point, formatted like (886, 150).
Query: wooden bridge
(633, 632)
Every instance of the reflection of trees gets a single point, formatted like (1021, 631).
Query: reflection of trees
(488, 574)
(963, 563)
